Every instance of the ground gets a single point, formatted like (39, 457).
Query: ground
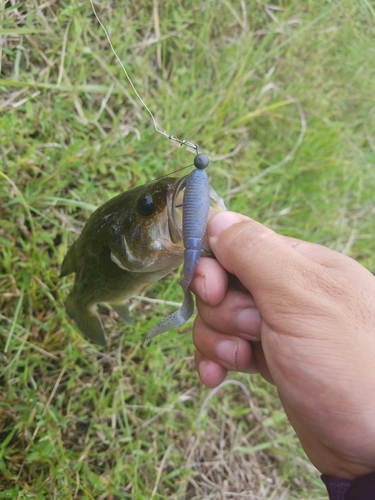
(280, 96)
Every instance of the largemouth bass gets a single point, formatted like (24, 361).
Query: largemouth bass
(130, 242)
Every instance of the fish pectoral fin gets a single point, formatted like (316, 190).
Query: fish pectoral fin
(88, 322)
(69, 263)
(144, 288)
(123, 311)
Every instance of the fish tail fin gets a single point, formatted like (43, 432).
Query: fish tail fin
(87, 321)
(69, 263)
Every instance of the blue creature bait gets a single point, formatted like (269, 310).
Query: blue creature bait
(196, 206)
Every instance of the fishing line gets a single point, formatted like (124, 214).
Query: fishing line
(174, 172)
(171, 137)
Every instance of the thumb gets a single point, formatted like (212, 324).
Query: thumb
(272, 267)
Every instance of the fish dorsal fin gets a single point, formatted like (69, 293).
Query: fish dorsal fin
(69, 263)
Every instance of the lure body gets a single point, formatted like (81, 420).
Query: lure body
(196, 206)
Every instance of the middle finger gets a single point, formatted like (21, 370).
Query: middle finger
(235, 315)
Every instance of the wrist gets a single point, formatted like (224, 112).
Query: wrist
(361, 488)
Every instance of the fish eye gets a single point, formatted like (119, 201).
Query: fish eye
(146, 205)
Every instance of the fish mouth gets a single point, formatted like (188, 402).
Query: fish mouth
(175, 207)
(175, 210)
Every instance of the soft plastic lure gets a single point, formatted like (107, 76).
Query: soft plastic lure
(196, 206)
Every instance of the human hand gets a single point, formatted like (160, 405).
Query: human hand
(303, 316)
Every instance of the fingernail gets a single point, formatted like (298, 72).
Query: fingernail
(227, 351)
(201, 368)
(220, 222)
(200, 285)
(248, 321)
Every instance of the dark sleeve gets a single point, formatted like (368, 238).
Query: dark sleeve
(362, 488)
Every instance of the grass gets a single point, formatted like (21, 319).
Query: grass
(280, 96)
